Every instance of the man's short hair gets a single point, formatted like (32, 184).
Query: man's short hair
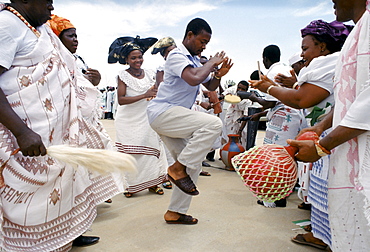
(255, 75)
(197, 25)
(245, 83)
(272, 52)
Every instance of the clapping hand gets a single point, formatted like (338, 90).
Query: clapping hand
(225, 67)
(226, 63)
(262, 84)
(286, 81)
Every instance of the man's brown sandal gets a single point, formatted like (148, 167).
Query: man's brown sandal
(185, 184)
(183, 219)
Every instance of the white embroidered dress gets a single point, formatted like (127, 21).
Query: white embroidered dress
(46, 204)
(349, 174)
(135, 136)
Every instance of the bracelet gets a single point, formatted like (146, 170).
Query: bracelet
(217, 78)
(268, 89)
(295, 85)
(321, 151)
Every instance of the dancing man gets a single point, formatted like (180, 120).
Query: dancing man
(188, 134)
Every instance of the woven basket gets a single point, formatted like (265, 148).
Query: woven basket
(269, 171)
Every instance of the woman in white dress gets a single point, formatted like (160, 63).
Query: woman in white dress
(133, 132)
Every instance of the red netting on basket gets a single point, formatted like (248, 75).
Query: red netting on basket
(269, 171)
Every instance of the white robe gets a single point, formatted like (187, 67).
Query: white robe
(349, 175)
(46, 204)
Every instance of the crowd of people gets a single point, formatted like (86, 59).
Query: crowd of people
(171, 119)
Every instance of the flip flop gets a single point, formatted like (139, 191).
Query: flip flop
(317, 243)
(185, 184)
(167, 185)
(127, 194)
(183, 219)
(204, 173)
(308, 228)
(156, 190)
(304, 206)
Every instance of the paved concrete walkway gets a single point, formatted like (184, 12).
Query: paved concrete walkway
(229, 219)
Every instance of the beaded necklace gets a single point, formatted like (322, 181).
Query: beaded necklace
(134, 74)
(15, 12)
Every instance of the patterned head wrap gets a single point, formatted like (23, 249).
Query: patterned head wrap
(334, 32)
(121, 48)
(162, 45)
(59, 24)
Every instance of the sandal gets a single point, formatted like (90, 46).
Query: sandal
(204, 173)
(277, 203)
(307, 228)
(183, 219)
(127, 194)
(185, 184)
(304, 206)
(167, 185)
(310, 240)
(156, 189)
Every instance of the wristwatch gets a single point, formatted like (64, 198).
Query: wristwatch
(321, 151)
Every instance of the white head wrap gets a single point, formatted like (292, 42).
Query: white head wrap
(295, 58)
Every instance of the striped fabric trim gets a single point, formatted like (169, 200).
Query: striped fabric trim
(134, 149)
(145, 185)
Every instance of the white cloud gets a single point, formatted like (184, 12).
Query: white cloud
(241, 28)
(321, 9)
(99, 23)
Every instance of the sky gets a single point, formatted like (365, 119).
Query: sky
(241, 28)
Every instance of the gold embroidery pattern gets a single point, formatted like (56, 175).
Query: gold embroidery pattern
(93, 140)
(10, 143)
(42, 81)
(25, 81)
(55, 197)
(50, 161)
(48, 105)
(102, 187)
(21, 177)
(32, 165)
(15, 104)
(52, 233)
